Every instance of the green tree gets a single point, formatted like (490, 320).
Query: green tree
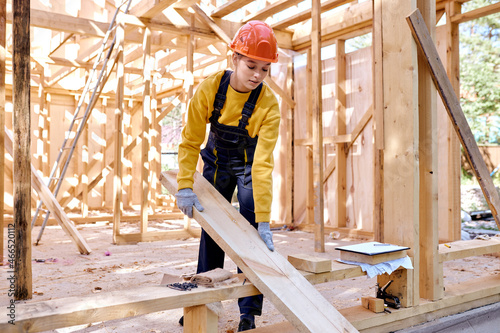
(480, 73)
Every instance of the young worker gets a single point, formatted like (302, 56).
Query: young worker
(244, 122)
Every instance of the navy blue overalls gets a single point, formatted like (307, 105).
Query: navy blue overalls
(228, 157)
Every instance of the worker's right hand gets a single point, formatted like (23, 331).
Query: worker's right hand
(186, 199)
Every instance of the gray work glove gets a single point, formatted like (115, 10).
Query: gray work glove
(186, 199)
(265, 233)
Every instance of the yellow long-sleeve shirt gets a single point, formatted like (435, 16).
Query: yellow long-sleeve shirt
(264, 122)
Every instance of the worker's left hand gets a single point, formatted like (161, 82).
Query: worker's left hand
(265, 233)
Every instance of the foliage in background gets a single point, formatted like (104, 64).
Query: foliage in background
(480, 73)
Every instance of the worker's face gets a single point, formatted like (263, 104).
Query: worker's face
(248, 73)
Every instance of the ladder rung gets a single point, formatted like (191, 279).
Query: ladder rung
(65, 147)
(78, 118)
(55, 178)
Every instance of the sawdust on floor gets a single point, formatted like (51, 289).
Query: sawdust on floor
(109, 267)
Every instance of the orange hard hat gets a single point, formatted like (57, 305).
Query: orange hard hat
(256, 40)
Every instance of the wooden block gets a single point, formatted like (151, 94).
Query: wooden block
(373, 304)
(373, 259)
(200, 319)
(309, 263)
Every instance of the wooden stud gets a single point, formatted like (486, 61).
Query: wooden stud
(378, 122)
(118, 169)
(22, 153)
(3, 14)
(449, 153)
(146, 123)
(427, 124)
(289, 147)
(309, 152)
(309, 263)
(340, 214)
(373, 304)
(319, 237)
(400, 156)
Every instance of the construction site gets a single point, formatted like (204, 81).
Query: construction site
(372, 139)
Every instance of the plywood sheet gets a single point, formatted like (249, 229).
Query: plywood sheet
(270, 272)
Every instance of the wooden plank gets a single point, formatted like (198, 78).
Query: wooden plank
(476, 13)
(270, 10)
(21, 149)
(71, 311)
(470, 248)
(308, 263)
(309, 151)
(272, 274)
(306, 14)
(455, 112)
(51, 203)
(317, 111)
(153, 236)
(3, 29)
(229, 7)
(277, 89)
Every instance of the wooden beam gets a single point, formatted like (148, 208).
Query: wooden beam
(21, 150)
(117, 179)
(430, 271)
(200, 319)
(271, 273)
(150, 8)
(146, 124)
(3, 29)
(476, 13)
(51, 203)
(207, 20)
(277, 89)
(340, 210)
(400, 156)
(306, 14)
(270, 10)
(455, 112)
(358, 129)
(309, 150)
(351, 21)
(229, 7)
(154, 236)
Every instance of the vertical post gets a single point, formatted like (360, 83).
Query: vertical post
(341, 158)
(401, 137)
(41, 121)
(46, 134)
(319, 235)
(155, 148)
(290, 157)
(428, 217)
(378, 120)
(84, 178)
(309, 152)
(449, 186)
(188, 88)
(146, 120)
(22, 153)
(3, 26)
(117, 179)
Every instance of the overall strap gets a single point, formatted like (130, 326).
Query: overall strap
(220, 96)
(246, 113)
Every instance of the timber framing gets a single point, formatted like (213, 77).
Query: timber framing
(338, 170)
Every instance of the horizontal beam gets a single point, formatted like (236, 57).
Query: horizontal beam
(271, 9)
(352, 21)
(306, 14)
(476, 13)
(469, 248)
(229, 7)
